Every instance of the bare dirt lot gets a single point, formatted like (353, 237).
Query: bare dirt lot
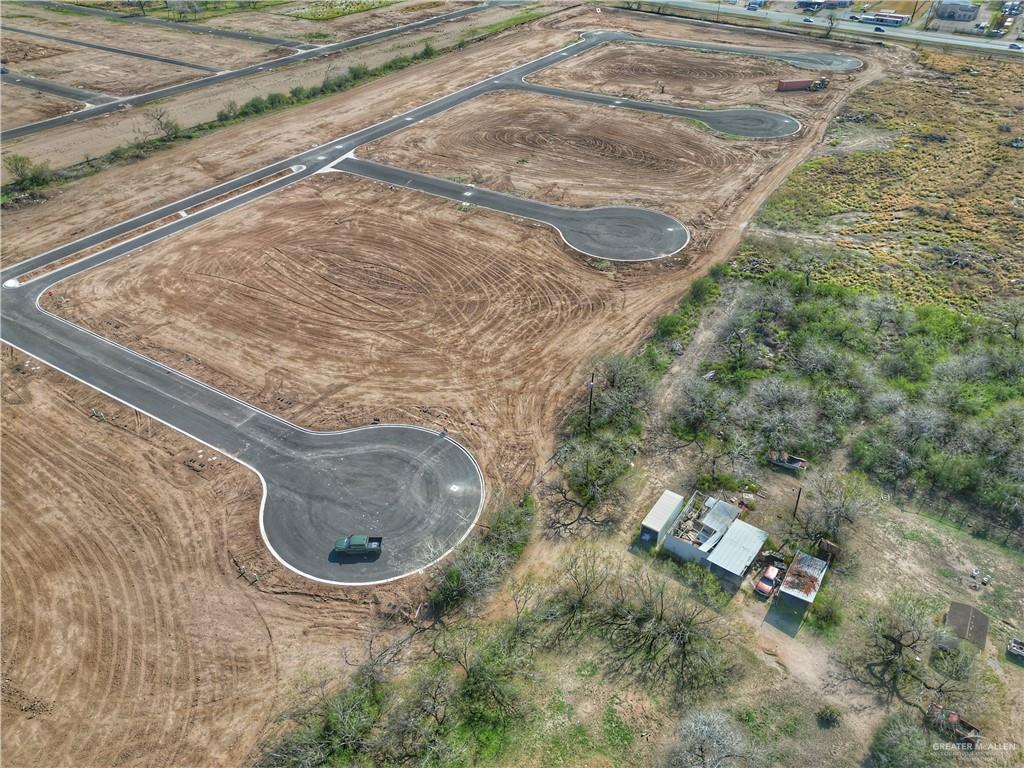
(100, 71)
(280, 21)
(129, 637)
(218, 52)
(677, 76)
(73, 143)
(22, 106)
(17, 49)
(127, 190)
(582, 155)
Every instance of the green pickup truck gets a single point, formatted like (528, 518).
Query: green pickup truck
(358, 545)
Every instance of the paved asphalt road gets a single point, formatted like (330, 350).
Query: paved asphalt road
(308, 53)
(419, 489)
(615, 234)
(120, 51)
(748, 123)
(57, 89)
(900, 34)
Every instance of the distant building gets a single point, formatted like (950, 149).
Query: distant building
(956, 10)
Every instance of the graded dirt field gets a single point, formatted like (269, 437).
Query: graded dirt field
(127, 190)
(99, 71)
(18, 49)
(74, 143)
(217, 52)
(373, 302)
(20, 106)
(582, 155)
(129, 636)
(280, 21)
(685, 78)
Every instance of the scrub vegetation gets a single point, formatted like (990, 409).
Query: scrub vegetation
(325, 10)
(929, 399)
(484, 692)
(602, 436)
(918, 191)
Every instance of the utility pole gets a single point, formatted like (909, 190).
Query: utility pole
(799, 492)
(590, 404)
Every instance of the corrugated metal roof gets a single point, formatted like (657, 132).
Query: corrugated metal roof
(803, 579)
(738, 547)
(663, 510)
(720, 513)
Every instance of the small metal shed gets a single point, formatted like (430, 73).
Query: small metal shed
(739, 546)
(660, 519)
(803, 577)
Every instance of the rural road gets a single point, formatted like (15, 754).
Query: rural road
(419, 489)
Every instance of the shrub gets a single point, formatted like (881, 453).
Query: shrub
(26, 173)
(900, 742)
(228, 113)
(829, 716)
(825, 614)
(479, 565)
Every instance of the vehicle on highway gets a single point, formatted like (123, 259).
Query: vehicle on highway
(808, 20)
(879, 29)
(768, 582)
(358, 544)
(1014, 47)
(854, 17)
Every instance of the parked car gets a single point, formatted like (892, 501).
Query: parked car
(358, 544)
(879, 29)
(808, 20)
(854, 17)
(768, 582)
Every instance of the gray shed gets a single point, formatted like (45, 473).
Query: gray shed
(660, 519)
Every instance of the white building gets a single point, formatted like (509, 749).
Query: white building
(705, 530)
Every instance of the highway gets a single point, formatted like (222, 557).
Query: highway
(419, 489)
(896, 34)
